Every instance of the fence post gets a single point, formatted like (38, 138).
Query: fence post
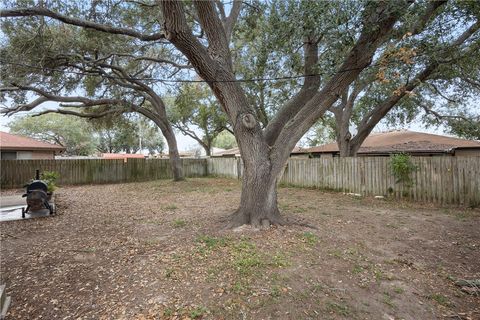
(205, 164)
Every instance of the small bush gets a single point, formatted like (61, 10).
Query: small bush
(402, 168)
(50, 177)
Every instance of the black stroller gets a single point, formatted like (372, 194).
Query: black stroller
(37, 197)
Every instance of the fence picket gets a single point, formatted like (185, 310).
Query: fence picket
(444, 180)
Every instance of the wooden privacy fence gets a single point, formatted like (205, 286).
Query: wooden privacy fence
(446, 180)
(15, 173)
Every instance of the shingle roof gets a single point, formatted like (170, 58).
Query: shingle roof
(13, 142)
(401, 140)
(236, 151)
(122, 156)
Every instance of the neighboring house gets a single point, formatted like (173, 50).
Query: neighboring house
(230, 153)
(122, 156)
(411, 142)
(235, 153)
(13, 147)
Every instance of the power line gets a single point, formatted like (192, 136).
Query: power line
(283, 78)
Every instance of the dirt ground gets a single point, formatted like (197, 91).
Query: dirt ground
(156, 250)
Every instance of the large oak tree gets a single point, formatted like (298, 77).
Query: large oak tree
(202, 32)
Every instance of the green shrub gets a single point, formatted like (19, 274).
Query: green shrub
(50, 178)
(402, 168)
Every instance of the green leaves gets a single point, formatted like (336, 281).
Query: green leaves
(75, 134)
(195, 106)
(402, 168)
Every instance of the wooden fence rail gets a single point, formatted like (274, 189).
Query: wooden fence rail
(445, 180)
(15, 173)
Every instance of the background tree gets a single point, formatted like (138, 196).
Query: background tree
(416, 69)
(225, 140)
(127, 134)
(96, 73)
(202, 32)
(465, 128)
(75, 134)
(196, 107)
(322, 132)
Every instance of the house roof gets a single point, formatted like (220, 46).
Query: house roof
(401, 141)
(10, 141)
(122, 156)
(236, 152)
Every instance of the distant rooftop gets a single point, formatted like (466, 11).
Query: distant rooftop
(10, 141)
(122, 156)
(236, 152)
(401, 141)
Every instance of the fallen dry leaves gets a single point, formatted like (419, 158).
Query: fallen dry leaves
(157, 250)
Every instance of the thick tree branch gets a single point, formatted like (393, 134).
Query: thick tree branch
(92, 115)
(229, 22)
(379, 19)
(308, 90)
(212, 71)
(82, 102)
(24, 107)
(215, 31)
(37, 11)
(376, 114)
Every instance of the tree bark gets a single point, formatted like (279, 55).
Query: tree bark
(175, 161)
(208, 150)
(258, 202)
(160, 119)
(174, 156)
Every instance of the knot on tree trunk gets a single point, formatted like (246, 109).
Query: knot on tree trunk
(248, 120)
(169, 35)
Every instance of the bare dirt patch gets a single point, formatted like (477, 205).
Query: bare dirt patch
(156, 250)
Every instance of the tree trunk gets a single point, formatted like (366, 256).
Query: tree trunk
(175, 161)
(160, 119)
(208, 147)
(258, 202)
(347, 148)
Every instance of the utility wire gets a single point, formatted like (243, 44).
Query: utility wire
(283, 78)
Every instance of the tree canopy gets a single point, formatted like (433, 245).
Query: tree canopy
(196, 107)
(84, 138)
(89, 73)
(75, 134)
(281, 68)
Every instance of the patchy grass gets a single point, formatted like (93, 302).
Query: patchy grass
(398, 290)
(169, 257)
(440, 299)
(171, 207)
(338, 308)
(179, 223)
(309, 238)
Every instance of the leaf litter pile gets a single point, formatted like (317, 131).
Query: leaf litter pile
(158, 250)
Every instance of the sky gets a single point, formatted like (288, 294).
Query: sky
(186, 143)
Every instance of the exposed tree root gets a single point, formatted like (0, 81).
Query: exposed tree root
(301, 224)
(238, 219)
